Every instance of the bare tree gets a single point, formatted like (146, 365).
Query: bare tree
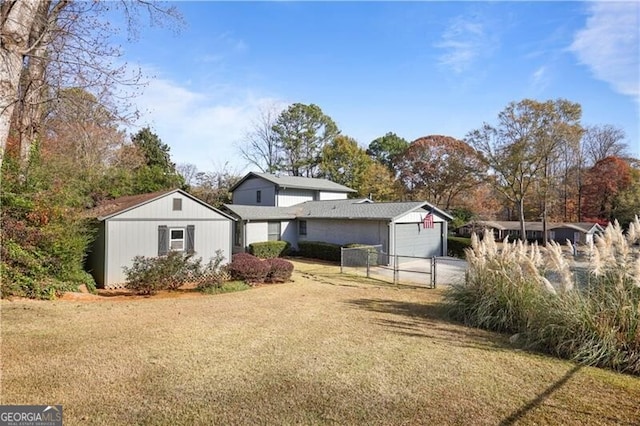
(259, 147)
(47, 45)
(600, 142)
(188, 172)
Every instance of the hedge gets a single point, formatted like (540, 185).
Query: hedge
(280, 271)
(457, 245)
(319, 250)
(269, 249)
(249, 268)
(372, 253)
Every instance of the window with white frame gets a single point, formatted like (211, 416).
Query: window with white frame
(258, 196)
(273, 231)
(176, 239)
(302, 228)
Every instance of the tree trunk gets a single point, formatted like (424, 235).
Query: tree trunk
(523, 231)
(16, 21)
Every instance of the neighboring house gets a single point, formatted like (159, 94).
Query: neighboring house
(152, 225)
(400, 228)
(577, 233)
(263, 189)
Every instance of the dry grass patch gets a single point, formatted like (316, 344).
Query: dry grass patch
(323, 349)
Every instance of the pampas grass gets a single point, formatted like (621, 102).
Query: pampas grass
(592, 318)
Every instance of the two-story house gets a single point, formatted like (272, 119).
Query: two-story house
(292, 208)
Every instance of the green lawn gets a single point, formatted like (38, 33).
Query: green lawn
(322, 349)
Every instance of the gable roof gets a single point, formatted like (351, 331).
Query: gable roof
(295, 182)
(361, 208)
(110, 208)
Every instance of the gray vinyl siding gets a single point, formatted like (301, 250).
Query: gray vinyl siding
(134, 232)
(245, 194)
(130, 238)
(341, 231)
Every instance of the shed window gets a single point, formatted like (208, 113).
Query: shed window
(302, 227)
(176, 242)
(258, 196)
(274, 231)
(177, 204)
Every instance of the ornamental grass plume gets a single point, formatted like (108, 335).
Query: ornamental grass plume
(532, 292)
(557, 262)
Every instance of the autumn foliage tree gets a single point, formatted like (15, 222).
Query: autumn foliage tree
(438, 169)
(603, 184)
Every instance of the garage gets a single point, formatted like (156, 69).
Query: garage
(413, 239)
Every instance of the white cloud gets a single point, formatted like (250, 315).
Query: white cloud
(201, 128)
(464, 41)
(609, 45)
(540, 78)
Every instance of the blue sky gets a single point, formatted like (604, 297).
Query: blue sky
(413, 68)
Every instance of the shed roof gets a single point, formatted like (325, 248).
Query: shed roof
(110, 208)
(296, 182)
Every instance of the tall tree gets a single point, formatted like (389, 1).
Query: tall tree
(260, 144)
(386, 149)
(379, 184)
(603, 185)
(301, 132)
(158, 171)
(438, 169)
(518, 150)
(600, 142)
(47, 45)
(344, 162)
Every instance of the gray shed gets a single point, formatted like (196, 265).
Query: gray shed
(152, 225)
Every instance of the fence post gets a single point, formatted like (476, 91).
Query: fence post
(395, 268)
(368, 262)
(433, 273)
(341, 259)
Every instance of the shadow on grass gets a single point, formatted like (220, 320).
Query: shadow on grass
(538, 400)
(430, 321)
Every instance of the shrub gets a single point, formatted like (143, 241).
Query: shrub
(148, 275)
(280, 270)
(249, 268)
(592, 318)
(269, 249)
(213, 275)
(456, 246)
(319, 250)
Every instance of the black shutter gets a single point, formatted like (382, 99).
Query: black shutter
(163, 240)
(190, 243)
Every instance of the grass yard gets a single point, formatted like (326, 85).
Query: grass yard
(323, 349)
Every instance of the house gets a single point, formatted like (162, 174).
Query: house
(264, 189)
(577, 233)
(297, 209)
(152, 225)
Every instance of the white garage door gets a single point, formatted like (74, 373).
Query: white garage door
(414, 240)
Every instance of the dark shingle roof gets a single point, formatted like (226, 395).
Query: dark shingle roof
(261, 212)
(112, 207)
(361, 208)
(532, 226)
(296, 182)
